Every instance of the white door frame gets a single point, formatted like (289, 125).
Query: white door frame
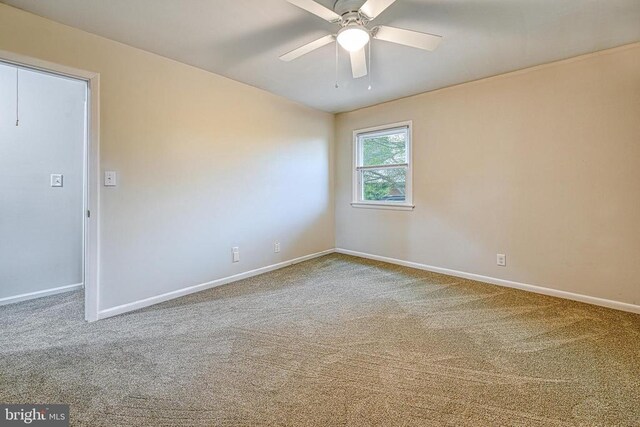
(91, 231)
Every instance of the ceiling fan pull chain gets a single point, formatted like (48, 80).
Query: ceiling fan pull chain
(17, 96)
(337, 64)
(369, 88)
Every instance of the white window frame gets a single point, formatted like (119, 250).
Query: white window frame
(357, 201)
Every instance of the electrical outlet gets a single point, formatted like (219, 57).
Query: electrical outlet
(502, 260)
(276, 247)
(236, 254)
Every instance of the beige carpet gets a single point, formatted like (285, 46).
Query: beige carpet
(333, 341)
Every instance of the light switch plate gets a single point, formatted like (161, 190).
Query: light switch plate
(56, 180)
(110, 179)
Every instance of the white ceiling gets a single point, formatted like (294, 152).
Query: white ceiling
(242, 39)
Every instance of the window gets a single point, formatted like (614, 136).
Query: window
(382, 167)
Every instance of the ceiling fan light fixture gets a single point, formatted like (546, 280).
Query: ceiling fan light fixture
(353, 38)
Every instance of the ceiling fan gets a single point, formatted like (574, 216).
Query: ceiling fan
(353, 16)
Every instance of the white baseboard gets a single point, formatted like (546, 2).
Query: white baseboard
(501, 282)
(40, 294)
(136, 305)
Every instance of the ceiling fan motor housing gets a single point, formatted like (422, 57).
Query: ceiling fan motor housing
(348, 9)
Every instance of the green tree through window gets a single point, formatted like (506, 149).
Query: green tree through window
(383, 165)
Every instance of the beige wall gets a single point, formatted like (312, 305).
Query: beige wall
(542, 165)
(204, 163)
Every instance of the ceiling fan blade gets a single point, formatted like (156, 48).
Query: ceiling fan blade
(359, 63)
(317, 9)
(372, 8)
(408, 38)
(309, 47)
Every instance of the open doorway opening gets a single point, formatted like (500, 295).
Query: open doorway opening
(48, 185)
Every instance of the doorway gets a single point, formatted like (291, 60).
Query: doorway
(48, 181)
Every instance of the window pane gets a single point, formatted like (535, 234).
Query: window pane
(386, 185)
(384, 149)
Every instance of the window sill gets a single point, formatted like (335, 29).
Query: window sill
(388, 206)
